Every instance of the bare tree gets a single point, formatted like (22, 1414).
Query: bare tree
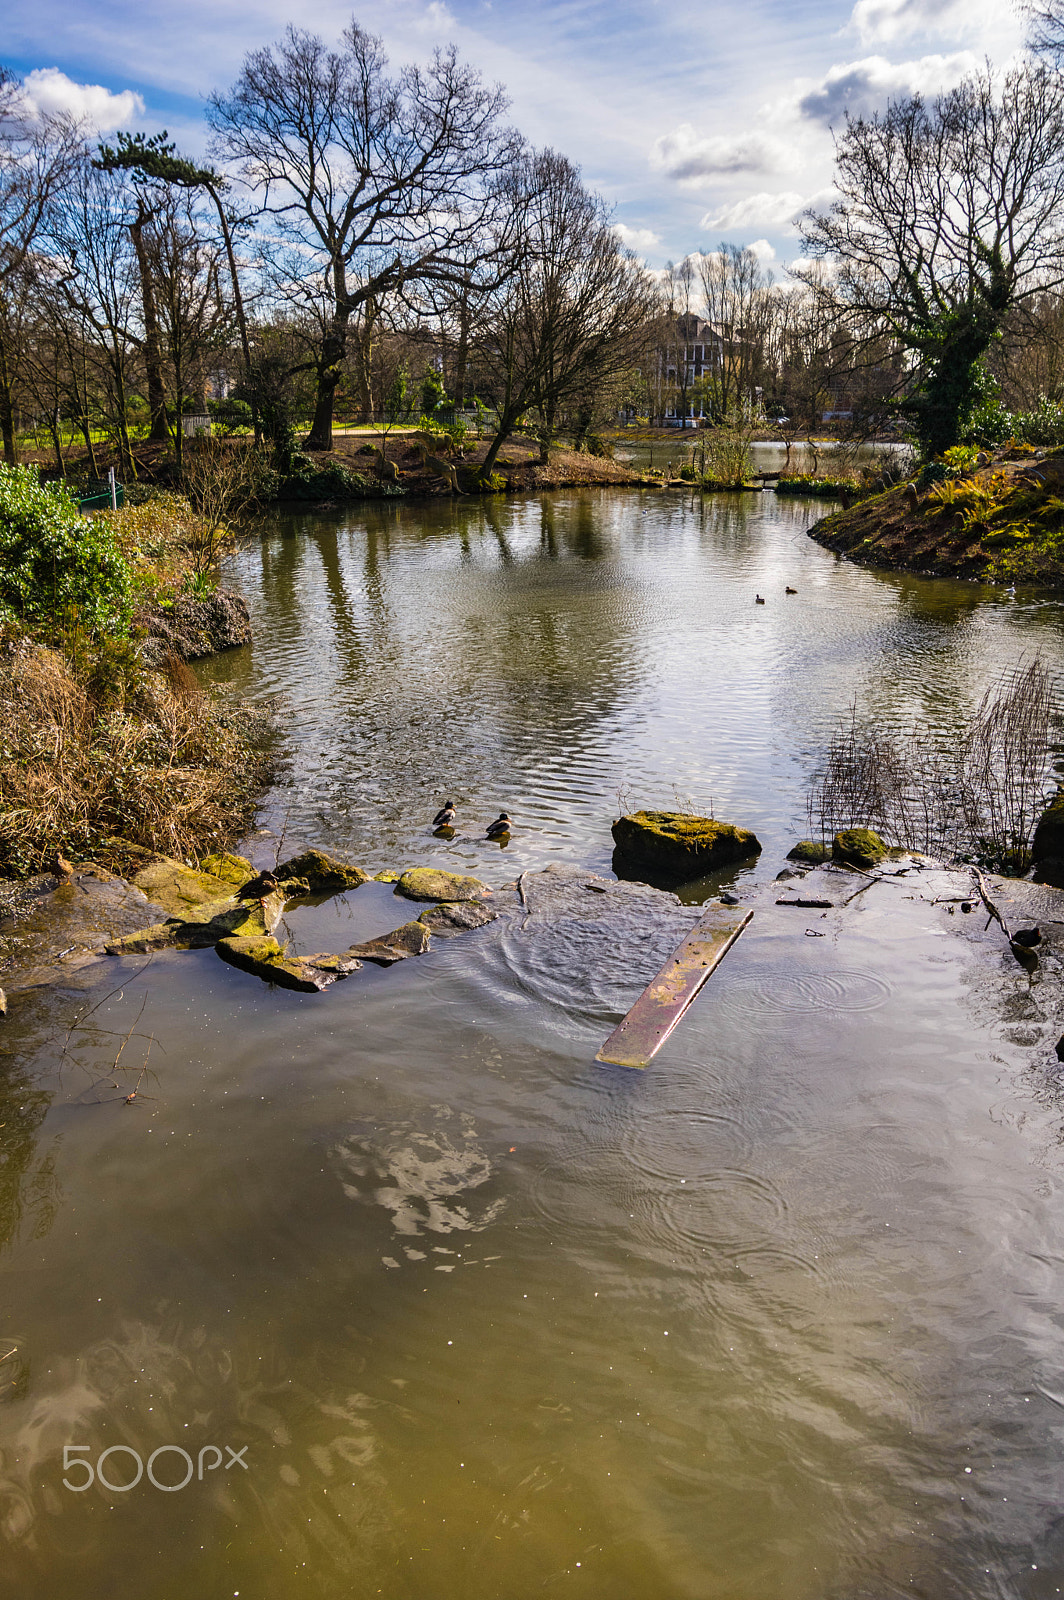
(735, 289)
(950, 214)
(36, 155)
(386, 180)
(573, 308)
(194, 320)
(96, 272)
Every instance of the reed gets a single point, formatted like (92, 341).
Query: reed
(976, 796)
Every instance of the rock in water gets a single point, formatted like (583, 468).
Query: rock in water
(426, 883)
(227, 867)
(264, 958)
(412, 939)
(192, 628)
(810, 851)
(457, 917)
(858, 847)
(180, 889)
(323, 873)
(676, 848)
(1047, 848)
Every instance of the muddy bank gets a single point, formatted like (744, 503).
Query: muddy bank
(1002, 521)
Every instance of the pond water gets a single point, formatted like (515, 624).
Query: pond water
(683, 448)
(779, 1317)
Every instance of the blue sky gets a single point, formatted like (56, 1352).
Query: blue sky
(697, 123)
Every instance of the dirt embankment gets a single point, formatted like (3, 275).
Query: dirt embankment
(1001, 522)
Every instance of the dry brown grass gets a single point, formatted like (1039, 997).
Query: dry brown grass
(163, 765)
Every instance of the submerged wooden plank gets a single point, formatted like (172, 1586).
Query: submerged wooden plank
(636, 1040)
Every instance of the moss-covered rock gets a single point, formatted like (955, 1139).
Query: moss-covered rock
(810, 851)
(672, 846)
(858, 847)
(222, 919)
(160, 936)
(1047, 847)
(178, 888)
(323, 873)
(264, 958)
(230, 868)
(426, 883)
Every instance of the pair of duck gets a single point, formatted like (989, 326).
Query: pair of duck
(498, 829)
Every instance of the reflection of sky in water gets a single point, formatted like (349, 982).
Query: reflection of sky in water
(549, 657)
(481, 1310)
(424, 1178)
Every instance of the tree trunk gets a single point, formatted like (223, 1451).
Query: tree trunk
(7, 411)
(461, 359)
(153, 365)
(57, 443)
(330, 365)
(546, 432)
(238, 305)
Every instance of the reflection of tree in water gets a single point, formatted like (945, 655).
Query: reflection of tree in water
(29, 1188)
(439, 643)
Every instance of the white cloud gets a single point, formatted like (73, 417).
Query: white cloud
(756, 211)
(691, 157)
(886, 20)
(636, 238)
(864, 87)
(762, 250)
(51, 93)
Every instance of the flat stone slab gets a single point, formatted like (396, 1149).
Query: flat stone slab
(227, 867)
(180, 889)
(412, 939)
(426, 883)
(68, 926)
(457, 916)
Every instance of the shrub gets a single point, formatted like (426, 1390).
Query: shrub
(58, 568)
(826, 488)
(83, 768)
(308, 482)
(728, 460)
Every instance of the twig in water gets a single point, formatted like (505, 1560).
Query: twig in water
(995, 914)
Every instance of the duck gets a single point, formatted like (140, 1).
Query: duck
(789, 590)
(500, 827)
(444, 818)
(62, 867)
(257, 888)
(759, 599)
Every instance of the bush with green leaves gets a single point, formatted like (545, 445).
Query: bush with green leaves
(58, 569)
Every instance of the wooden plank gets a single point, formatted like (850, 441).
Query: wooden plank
(636, 1040)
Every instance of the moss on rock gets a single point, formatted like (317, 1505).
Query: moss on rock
(264, 958)
(810, 851)
(177, 888)
(230, 868)
(858, 847)
(678, 847)
(426, 883)
(323, 873)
